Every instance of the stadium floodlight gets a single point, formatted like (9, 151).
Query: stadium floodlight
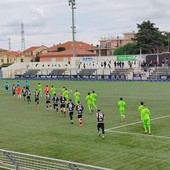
(72, 3)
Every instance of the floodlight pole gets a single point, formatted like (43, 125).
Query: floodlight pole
(72, 3)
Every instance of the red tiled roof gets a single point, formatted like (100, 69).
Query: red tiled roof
(79, 52)
(2, 50)
(68, 46)
(31, 49)
(17, 53)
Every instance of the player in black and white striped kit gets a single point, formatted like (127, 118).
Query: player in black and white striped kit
(36, 95)
(63, 104)
(55, 102)
(100, 122)
(80, 109)
(70, 106)
(48, 101)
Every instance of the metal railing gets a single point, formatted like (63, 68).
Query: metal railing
(21, 161)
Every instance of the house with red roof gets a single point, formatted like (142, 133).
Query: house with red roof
(54, 54)
(36, 50)
(9, 57)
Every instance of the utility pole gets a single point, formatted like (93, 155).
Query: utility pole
(22, 38)
(72, 3)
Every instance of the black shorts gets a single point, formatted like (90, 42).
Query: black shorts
(79, 116)
(63, 105)
(28, 97)
(48, 102)
(6, 88)
(100, 126)
(36, 99)
(55, 105)
(70, 113)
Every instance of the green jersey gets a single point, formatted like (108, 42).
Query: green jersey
(77, 94)
(121, 104)
(94, 96)
(140, 108)
(89, 99)
(145, 114)
(53, 91)
(39, 87)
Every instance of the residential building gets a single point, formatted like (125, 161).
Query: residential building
(9, 57)
(110, 43)
(53, 55)
(36, 50)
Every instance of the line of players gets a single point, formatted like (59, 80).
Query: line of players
(65, 102)
(50, 94)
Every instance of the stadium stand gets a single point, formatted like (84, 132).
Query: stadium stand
(160, 73)
(120, 73)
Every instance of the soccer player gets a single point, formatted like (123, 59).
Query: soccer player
(27, 85)
(100, 122)
(13, 90)
(28, 95)
(80, 109)
(18, 92)
(62, 90)
(121, 106)
(55, 102)
(36, 95)
(17, 83)
(47, 89)
(140, 108)
(77, 97)
(40, 89)
(52, 91)
(24, 92)
(145, 114)
(70, 106)
(89, 101)
(94, 97)
(48, 101)
(66, 94)
(63, 104)
(6, 85)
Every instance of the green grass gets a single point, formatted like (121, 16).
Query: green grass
(34, 130)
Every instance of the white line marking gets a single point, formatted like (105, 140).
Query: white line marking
(117, 127)
(139, 134)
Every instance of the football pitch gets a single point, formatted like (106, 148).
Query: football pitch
(32, 129)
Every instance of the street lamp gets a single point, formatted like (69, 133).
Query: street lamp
(72, 3)
(168, 41)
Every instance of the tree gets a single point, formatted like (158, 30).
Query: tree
(129, 48)
(149, 38)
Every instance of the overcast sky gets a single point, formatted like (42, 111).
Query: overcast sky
(49, 22)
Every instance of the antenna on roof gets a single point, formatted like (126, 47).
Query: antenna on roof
(22, 38)
(9, 44)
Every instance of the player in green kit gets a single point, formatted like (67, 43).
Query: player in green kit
(40, 89)
(122, 106)
(145, 115)
(66, 94)
(53, 91)
(62, 90)
(140, 108)
(94, 97)
(77, 97)
(89, 101)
